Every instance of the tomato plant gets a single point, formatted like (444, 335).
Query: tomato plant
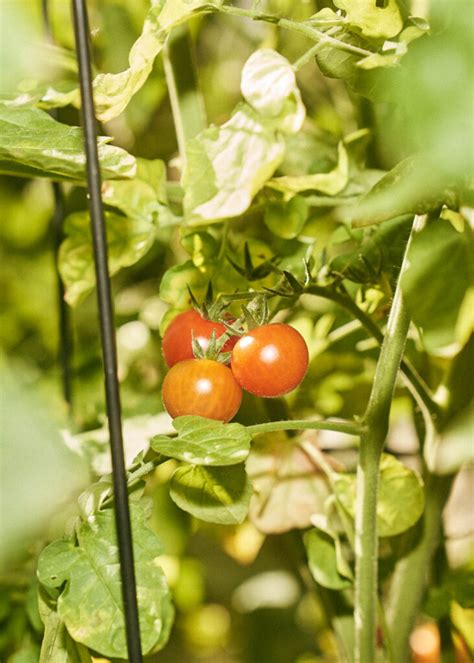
(301, 173)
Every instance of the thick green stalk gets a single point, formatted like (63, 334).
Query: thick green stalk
(411, 574)
(371, 445)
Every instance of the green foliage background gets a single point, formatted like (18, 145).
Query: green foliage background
(382, 140)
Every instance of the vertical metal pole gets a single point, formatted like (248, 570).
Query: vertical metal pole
(64, 327)
(107, 332)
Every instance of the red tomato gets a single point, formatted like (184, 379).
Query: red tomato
(202, 387)
(270, 360)
(178, 337)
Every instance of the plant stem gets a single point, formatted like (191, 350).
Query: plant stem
(411, 574)
(296, 26)
(348, 427)
(372, 441)
(309, 55)
(187, 104)
(135, 476)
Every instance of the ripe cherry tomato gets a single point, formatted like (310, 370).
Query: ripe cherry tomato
(202, 387)
(178, 337)
(270, 360)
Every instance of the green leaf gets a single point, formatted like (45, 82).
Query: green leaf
(128, 240)
(226, 166)
(436, 281)
(205, 442)
(414, 186)
(176, 280)
(142, 197)
(379, 253)
(401, 497)
(87, 577)
(286, 220)
(33, 144)
(201, 246)
(112, 92)
(330, 183)
(336, 62)
(269, 86)
(323, 560)
(380, 60)
(215, 494)
(452, 448)
(373, 21)
(289, 487)
(57, 645)
(49, 95)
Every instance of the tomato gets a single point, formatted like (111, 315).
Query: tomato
(270, 360)
(202, 387)
(178, 337)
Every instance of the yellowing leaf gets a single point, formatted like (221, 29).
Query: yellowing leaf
(373, 21)
(330, 183)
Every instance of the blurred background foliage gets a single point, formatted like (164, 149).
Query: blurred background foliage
(228, 611)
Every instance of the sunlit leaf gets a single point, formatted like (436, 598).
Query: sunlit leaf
(112, 92)
(128, 240)
(269, 86)
(57, 644)
(372, 20)
(86, 577)
(142, 197)
(329, 183)
(205, 442)
(34, 144)
(176, 281)
(400, 501)
(214, 494)
(227, 165)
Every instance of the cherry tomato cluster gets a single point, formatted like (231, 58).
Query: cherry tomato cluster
(268, 361)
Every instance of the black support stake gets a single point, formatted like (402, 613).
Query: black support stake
(107, 332)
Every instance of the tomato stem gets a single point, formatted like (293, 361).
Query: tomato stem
(337, 425)
(371, 445)
(297, 26)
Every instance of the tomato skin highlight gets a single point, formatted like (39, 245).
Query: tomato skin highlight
(202, 387)
(178, 337)
(270, 360)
